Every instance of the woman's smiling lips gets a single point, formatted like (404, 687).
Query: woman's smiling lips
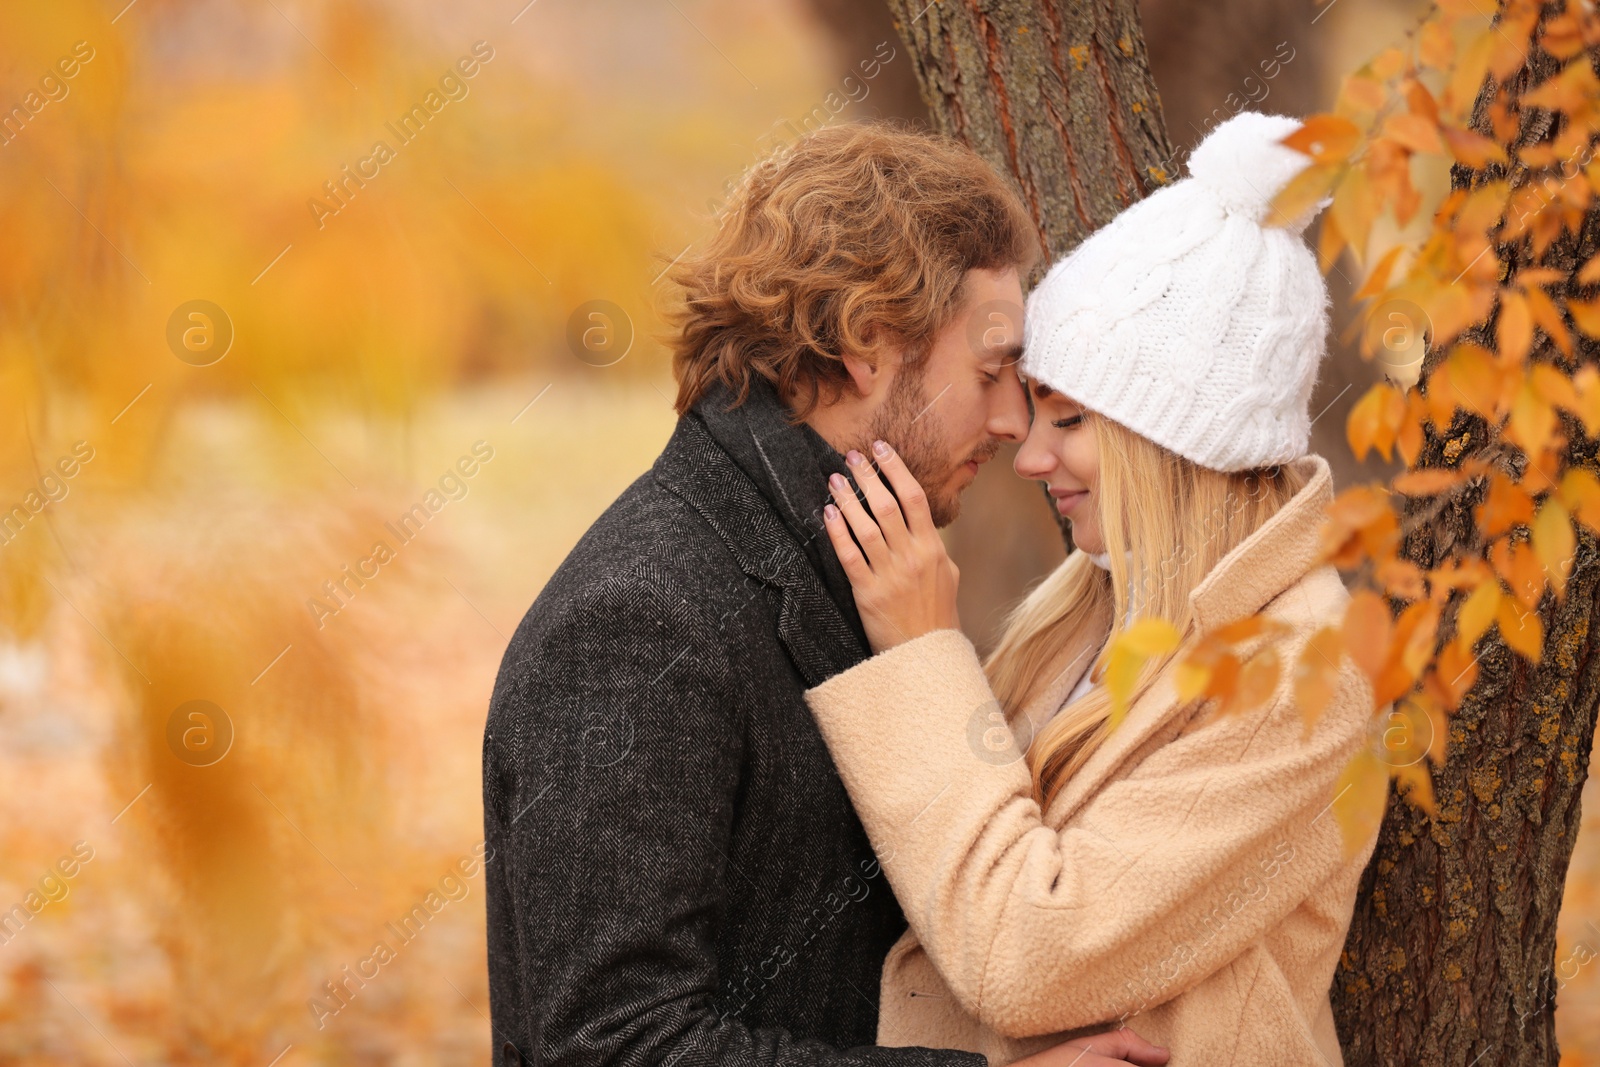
(1067, 499)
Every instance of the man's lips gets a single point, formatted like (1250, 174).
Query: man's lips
(1067, 499)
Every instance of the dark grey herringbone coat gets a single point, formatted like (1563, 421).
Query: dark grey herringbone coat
(678, 877)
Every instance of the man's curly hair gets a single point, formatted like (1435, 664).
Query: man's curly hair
(855, 237)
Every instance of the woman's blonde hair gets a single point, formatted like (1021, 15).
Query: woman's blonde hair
(1166, 523)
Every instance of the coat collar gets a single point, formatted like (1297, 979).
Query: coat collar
(1260, 568)
(1271, 559)
(694, 467)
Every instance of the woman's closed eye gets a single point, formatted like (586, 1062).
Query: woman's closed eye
(1067, 423)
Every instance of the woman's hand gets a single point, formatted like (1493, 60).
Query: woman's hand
(904, 582)
(1114, 1047)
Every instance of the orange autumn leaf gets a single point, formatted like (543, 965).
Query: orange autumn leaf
(1570, 90)
(1519, 566)
(1414, 131)
(1456, 671)
(1428, 482)
(1367, 630)
(1514, 328)
(1379, 278)
(1472, 149)
(1548, 318)
(1586, 315)
(1506, 505)
(1401, 578)
(1325, 138)
(1258, 680)
(1375, 420)
(1316, 674)
(1414, 634)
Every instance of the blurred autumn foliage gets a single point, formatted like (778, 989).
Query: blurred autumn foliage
(241, 347)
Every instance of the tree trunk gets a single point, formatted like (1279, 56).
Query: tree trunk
(1059, 96)
(1451, 952)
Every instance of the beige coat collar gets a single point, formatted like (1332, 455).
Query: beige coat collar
(1244, 581)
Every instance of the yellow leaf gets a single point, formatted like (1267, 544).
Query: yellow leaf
(1553, 542)
(1587, 385)
(1354, 207)
(1477, 613)
(1359, 798)
(1533, 421)
(1415, 782)
(1471, 68)
(1586, 314)
(1304, 191)
(1580, 492)
(1522, 631)
(1132, 649)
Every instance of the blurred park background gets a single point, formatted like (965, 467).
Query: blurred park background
(242, 348)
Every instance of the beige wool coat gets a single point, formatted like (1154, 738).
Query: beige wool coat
(1189, 880)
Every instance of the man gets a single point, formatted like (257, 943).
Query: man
(679, 877)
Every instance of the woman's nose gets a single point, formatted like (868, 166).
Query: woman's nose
(1035, 459)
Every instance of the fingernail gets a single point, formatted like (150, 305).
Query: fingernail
(853, 457)
(880, 448)
(831, 513)
(836, 481)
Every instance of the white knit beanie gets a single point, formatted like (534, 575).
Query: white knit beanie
(1188, 321)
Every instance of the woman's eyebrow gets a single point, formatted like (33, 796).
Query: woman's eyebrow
(1041, 390)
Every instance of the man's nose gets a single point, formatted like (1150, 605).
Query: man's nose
(1008, 418)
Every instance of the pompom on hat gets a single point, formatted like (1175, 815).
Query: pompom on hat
(1186, 318)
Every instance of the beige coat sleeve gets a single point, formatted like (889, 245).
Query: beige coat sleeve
(1157, 880)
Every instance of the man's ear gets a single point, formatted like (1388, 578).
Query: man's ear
(870, 370)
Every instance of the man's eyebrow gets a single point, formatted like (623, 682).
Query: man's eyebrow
(1009, 356)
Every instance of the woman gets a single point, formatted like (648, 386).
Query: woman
(1180, 866)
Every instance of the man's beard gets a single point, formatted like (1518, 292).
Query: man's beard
(908, 422)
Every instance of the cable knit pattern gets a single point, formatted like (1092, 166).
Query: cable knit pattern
(1188, 321)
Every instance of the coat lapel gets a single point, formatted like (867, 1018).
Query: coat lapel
(816, 635)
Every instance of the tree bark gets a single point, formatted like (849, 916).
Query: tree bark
(1451, 953)
(1058, 96)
